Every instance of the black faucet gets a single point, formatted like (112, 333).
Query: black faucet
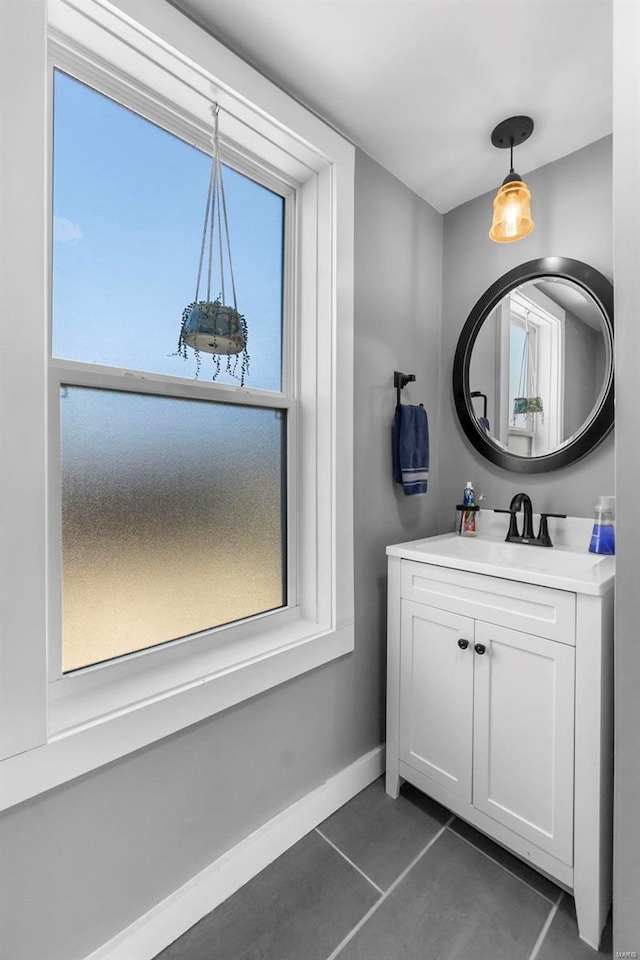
(521, 500)
(513, 536)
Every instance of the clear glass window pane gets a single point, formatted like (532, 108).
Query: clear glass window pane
(173, 518)
(128, 204)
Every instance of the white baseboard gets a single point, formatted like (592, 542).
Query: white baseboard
(161, 925)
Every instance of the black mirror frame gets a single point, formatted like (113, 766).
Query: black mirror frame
(600, 424)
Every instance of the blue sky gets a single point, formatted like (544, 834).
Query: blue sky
(129, 201)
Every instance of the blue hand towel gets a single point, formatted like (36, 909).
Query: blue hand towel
(410, 448)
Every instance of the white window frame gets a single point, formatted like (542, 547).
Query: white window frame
(155, 60)
(93, 691)
(549, 318)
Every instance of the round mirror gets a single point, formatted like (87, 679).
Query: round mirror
(533, 370)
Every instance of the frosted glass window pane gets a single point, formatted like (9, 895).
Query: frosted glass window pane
(128, 204)
(173, 518)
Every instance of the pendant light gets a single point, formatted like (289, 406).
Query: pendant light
(512, 203)
(212, 325)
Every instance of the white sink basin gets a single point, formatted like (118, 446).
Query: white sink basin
(562, 567)
(521, 555)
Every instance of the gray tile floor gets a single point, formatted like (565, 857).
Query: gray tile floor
(387, 879)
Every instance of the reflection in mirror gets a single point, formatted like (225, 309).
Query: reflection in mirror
(540, 366)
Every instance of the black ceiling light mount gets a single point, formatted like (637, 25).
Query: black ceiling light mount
(512, 203)
(512, 132)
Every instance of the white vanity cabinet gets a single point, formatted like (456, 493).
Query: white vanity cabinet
(486, 713)
(499, 708)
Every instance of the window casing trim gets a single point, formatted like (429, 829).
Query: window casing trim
(48, 743)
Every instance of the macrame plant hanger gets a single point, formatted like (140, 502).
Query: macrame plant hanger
(214, 326)
(527, 401)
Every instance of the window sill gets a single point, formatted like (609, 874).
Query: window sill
(78, 749)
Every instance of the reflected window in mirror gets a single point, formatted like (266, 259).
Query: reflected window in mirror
(519, 380)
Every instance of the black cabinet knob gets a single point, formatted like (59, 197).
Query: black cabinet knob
(463, 644)
(480, 648)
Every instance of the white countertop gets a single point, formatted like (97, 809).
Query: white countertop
(565, 566)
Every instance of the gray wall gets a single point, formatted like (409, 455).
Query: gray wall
(626, 880)
(571, 204)
(85, 860)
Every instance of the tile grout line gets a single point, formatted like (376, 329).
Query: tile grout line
(388, 891)
(554, 909)
(498, 864)
(354, 865)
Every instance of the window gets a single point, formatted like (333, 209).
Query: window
(532, 371)
(174, 510)
(522, 364)
(524, 347)
(197, 533)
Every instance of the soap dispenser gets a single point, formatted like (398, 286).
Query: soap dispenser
(603, 538)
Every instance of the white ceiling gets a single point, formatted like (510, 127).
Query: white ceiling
(420, 84)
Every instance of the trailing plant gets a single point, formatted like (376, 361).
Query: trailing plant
(224, 327)
(524, 405)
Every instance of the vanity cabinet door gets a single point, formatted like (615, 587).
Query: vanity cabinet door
(523, 735)
(436, 695)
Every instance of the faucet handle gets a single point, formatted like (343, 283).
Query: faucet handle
(544, 540)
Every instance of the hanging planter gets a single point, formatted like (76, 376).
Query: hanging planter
(212, 325)
(527, 405)
(213, 328)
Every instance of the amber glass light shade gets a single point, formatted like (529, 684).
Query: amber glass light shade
(511, 213)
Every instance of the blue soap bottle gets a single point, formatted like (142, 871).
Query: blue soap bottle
(603, 538)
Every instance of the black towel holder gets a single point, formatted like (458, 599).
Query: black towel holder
(400, 380)
(478, 393)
